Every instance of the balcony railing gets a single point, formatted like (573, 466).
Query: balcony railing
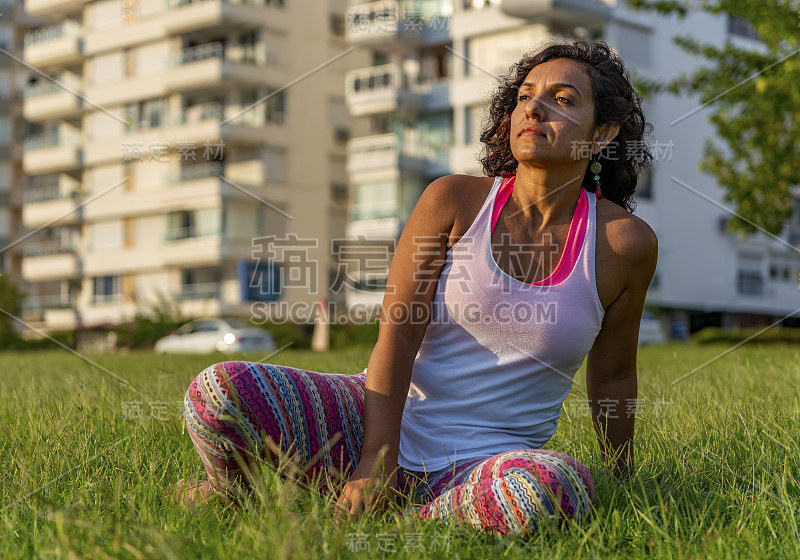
(47, 247)
(200, 171)
(392, 15)
(46, 87)
(53, 32)
(374, 210)
(230, 52)
(188, 232)
(205, 290)
(201, 112)
(177, 4)
(385, 76)
(48, 140)
(37, 304)
(47, 193)
(202, 52)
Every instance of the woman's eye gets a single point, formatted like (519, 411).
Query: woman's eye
(564, 99)
(523, 97)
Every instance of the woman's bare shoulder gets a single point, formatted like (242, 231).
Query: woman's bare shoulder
(626, 235)
(627, 251)
(461, 196)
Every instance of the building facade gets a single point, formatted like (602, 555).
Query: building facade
(178, 149)
(420, 106)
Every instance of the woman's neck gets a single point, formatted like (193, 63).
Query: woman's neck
(546, 196)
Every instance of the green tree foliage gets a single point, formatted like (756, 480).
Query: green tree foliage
(754, 98)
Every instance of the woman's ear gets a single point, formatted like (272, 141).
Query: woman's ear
(603, 135)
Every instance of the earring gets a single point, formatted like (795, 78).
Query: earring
(595, 168)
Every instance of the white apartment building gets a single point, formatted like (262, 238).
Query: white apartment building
(175, 138)
(420, 106)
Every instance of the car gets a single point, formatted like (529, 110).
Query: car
(650, 330)
(210, 335)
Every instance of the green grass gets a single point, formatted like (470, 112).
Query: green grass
(718, 465)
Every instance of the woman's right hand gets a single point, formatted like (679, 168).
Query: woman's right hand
(366, 491)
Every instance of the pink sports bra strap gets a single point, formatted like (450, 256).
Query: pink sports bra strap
(575, 237)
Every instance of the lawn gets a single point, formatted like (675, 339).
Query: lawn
(88, 447)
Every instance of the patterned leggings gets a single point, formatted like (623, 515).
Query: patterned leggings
(239, 409)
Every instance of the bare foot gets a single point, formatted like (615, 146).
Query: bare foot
(189, 491)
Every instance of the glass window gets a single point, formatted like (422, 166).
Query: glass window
(375, 200)
(106, 288)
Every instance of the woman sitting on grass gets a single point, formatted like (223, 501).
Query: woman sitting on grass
(499, 288)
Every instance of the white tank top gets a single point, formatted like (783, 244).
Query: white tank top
(499, 355)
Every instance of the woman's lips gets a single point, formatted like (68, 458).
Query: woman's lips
(532, 132)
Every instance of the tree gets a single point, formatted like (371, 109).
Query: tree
(754, 96)
(10, 298)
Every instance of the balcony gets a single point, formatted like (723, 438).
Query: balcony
(218, 64)
(183, 16)
(49, 205)
(58, 308)
(52, 9)
(51, 151)
(49, 260)
(48, 100)
(205, 290)
(54, 45)
(388, 152)
(396, 25)
(570, 13)
(198, 125)
(380, 89)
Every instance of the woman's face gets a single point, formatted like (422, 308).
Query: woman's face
(552, 122)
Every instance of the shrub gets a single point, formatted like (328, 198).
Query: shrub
(775, 335)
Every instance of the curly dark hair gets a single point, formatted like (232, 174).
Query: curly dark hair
(615, 102)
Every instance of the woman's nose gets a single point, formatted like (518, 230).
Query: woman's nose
(534, 106)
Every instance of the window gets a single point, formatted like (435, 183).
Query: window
(742, 27)
(180, 225)
(375, 200)
(644, 187)
(259, 281)
(200, 283)
(339, 191)
(337, 24)
(380, 124)
(247, 41)
(106, 289)
(275, 107)
(185, 224)
(144, 115)
(750, 282)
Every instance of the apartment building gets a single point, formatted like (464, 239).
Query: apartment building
(420, 105)
(14, 23)
(187, 150)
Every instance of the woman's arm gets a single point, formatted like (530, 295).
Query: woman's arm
(611, 365)
(404, 317)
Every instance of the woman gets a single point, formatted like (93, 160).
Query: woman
(499, 288)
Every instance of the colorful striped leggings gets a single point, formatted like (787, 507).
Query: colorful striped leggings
(236, 410)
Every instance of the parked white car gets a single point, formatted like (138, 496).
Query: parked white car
(650, 330)
(209, 335)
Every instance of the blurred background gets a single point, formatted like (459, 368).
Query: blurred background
(199, 158)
